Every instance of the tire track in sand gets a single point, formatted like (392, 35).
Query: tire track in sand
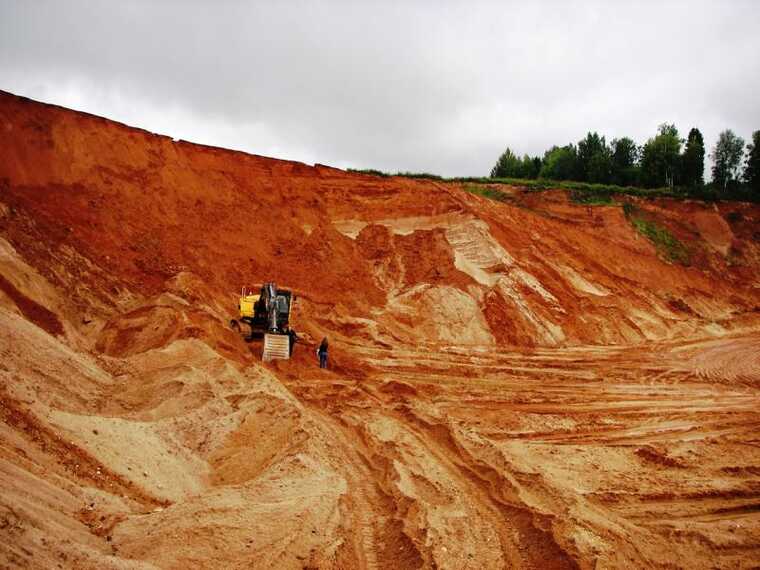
(378, 538)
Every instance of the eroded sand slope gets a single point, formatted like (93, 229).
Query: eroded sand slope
(523, 384)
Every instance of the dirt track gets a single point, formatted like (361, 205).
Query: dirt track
(525, 384)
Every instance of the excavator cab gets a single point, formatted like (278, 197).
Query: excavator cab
(266, 314)
(247, 303)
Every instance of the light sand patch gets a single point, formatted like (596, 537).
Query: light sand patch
(286, 519)
(136, 451)
(580, 283)
(444, 314)
(651, 326)
(714, 230)
(401, 226)
(483, 258)
(26, 279)
(547, 332)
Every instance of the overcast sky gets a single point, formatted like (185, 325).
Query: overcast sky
(431, 86)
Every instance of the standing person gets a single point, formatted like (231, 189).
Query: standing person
(322, 353)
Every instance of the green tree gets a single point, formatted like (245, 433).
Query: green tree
(530, 167)
(660, 158)
(560, 163)
(595, 159)
(508, 166)
(625, 157)
(727, 159)
(693, 160)
(752, 166)
(537, 164)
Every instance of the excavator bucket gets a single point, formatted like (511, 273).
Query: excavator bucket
(276, 346)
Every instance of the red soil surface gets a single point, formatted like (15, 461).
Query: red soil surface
(526, 383)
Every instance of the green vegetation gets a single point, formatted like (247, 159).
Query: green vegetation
(370, 171)
(600, 197)
(595, 171)
(727, 157)
(486, 191)
(625, 157)
(693, 161)
(660, 158)
(594, 159)
(422, 175)
(560, 163)
(666, 243)
(373, 172)
(662, 162)
(509, 166)
(752, 166)
(579, 190)
(592, 193)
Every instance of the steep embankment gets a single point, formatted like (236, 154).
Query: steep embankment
(536, 271)
(527, 383)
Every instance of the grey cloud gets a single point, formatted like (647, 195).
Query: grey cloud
(435, 86)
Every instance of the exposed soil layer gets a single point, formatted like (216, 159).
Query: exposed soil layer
(32, 310)
(519, 384)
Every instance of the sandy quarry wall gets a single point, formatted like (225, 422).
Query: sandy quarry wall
(419, 261)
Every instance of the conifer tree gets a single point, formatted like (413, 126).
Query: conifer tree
(693, 160)
(752, 166)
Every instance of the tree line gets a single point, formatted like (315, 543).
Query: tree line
(665, 160)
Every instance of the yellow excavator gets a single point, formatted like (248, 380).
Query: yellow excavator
(267, 314)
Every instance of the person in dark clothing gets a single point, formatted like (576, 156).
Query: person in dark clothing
(322, 353)
(293, 340)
